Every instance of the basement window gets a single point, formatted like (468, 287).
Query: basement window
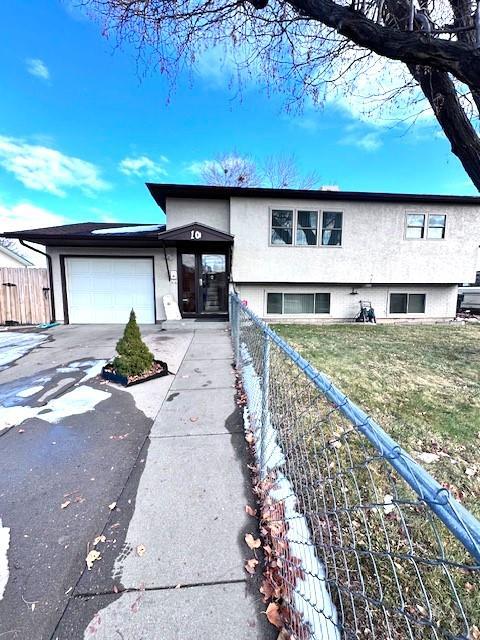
(298, 303)
(407, 303)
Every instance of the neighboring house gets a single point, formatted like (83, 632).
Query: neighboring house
(291, 254)
(9, 258)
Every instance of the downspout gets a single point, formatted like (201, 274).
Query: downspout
(50, 277)
(166, 260)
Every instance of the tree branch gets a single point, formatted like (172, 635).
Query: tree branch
(410, 47)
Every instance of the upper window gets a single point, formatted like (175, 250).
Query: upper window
(307, 227)
(420, 226)
(415, 225)
(332, 228)
(300, 227)
(436, 227)
(282, 226)
(407, 303)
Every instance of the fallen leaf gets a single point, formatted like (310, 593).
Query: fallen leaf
(141, 550)
(273, 615)
(470, 471)
(65, 504)
(474, 633)
(427, 457)
(92, 557)
(469, 587)
(21, 431)
(112, 506)
(115, 588)
(388, 506)
(251, 512)
(98, 539)
(250, 566)
(193, 419)
(252, 542)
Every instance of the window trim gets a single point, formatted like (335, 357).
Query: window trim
(426, 225)
(319, 211)
(407, 313)
(297, 315)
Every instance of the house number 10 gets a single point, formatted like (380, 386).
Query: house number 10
(195, 235)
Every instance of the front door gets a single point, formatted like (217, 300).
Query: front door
(203, 284)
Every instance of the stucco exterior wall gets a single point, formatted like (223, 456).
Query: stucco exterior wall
(162, 285)
(214, 213)
(374, 248)
(440, 302)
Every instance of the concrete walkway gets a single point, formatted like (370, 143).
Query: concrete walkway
(183, 555)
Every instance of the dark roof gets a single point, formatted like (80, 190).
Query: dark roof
(161, 192)
(82, 234)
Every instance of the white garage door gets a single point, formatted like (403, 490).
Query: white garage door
(104, 290)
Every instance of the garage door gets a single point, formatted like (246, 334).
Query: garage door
(104, 290)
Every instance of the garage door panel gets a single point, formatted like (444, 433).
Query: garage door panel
(104, 290)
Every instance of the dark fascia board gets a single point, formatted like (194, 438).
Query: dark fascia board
(86, 241)
(161, 192)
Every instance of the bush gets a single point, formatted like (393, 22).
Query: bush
(134, 357)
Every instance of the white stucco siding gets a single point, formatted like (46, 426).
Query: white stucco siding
(213, 213)
(440, 301)
(162, 284)
(374, 248)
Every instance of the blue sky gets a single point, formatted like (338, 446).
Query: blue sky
(80, 132)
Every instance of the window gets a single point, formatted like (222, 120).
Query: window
(282, 226)
(332, 228)
(300, 227)
(298, 303)
(415, 226)
(407, 303)
(307, 225)
(436, 227)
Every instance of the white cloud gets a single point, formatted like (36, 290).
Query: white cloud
(37, 68)
(143, 167)
(25, 215)
(45, 169)
(366, 141)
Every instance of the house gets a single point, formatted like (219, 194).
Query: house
(291, 254)
(9, 258)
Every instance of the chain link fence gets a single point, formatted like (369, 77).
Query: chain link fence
(365, 542)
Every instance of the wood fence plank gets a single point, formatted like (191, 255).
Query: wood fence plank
(28, 302)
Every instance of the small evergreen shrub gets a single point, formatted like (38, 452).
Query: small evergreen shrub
(134, 357)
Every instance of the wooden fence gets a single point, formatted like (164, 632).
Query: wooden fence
(24, 296)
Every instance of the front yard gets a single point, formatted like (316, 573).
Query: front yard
(421, 383)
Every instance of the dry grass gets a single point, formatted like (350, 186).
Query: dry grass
(391, 572)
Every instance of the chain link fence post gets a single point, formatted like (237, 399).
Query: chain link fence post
(265, 403)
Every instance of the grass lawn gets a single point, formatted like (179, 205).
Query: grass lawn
(421, 383)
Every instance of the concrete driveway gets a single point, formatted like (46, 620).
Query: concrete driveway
(69, 443)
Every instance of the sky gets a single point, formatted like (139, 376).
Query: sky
(82, 129)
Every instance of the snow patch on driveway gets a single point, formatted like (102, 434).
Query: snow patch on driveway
(4, 544)
(79, 400)
(14, 345)
(26, 393)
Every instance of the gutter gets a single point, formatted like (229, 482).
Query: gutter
(50, 277)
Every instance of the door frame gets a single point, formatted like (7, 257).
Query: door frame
(63, 277)
(198, 252)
